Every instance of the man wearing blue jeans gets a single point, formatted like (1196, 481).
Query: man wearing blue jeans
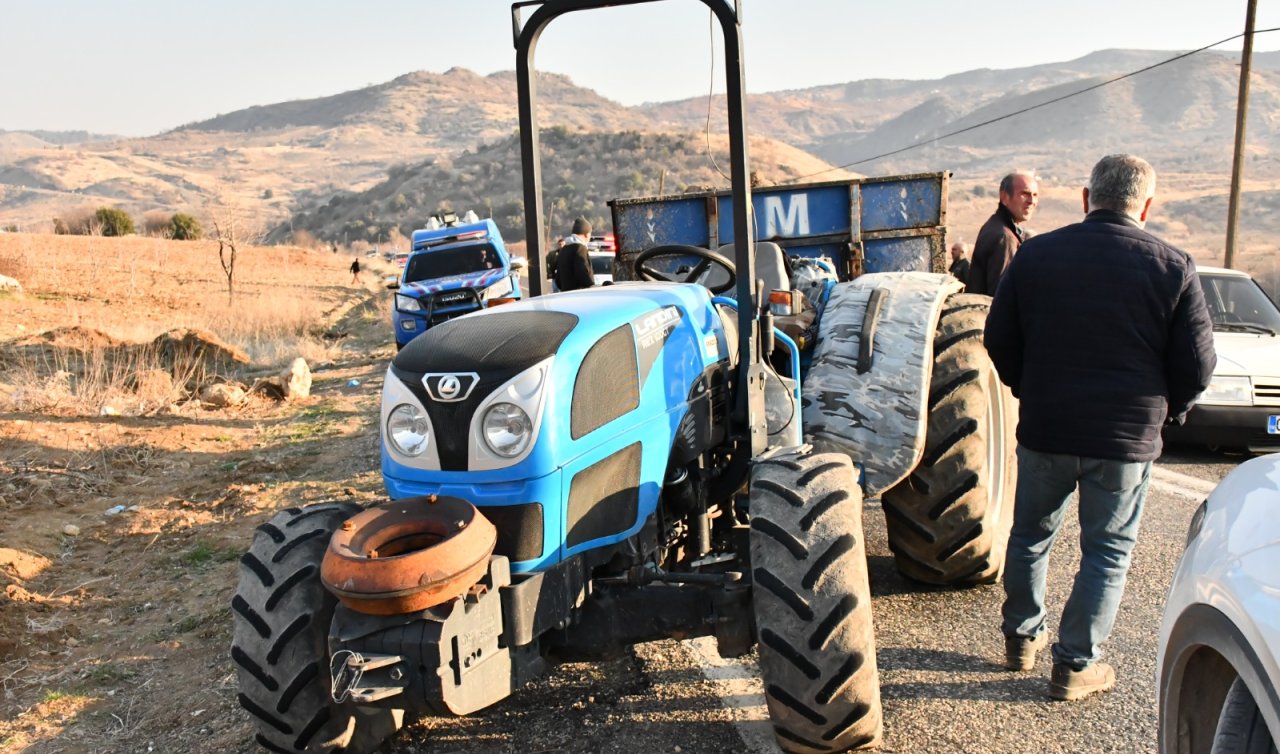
(1101, 331)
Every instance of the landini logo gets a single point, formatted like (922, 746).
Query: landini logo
(449, 387)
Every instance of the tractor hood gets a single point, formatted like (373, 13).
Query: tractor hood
(477, 280)
(518, 335)
(578, 356)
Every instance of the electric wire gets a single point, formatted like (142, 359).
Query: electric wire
(1027, 109)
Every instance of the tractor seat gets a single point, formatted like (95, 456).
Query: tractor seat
(771, 267)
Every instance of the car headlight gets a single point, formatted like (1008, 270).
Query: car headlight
(1233, 390)
(407, 430)
(507, 429)
(498, 289)
(1197, 522)
(408, 303)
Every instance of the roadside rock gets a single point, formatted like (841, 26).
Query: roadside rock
(9, 284)
(296, 380)
(222, 394)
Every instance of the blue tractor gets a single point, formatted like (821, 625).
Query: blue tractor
(579, 472)
(452, 270)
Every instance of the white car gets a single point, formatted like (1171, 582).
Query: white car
(602, 266)
(1241, 407)
(1219, 658)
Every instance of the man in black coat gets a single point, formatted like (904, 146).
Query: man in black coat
(1002, 233)
(959, 262)
(1101, 330)
(573, 263)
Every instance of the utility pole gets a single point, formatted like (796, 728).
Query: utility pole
(1242, 115)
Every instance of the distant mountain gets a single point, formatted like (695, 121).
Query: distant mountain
(38, 138)
(457, 108)
(581, 171)
(337, 165)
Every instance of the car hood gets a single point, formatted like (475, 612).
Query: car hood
(482, 279)
(1247, 354)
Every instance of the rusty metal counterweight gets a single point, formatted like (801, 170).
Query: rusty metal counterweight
(408, 555)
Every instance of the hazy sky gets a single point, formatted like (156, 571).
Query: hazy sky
(138, 67)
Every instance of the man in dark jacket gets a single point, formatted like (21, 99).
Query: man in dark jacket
(1101, 330)
(1002, 233)
(959, 262)
(573, 263)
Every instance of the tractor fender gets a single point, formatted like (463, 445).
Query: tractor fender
(867, 391)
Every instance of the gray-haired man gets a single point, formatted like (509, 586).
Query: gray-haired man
(1101, 330)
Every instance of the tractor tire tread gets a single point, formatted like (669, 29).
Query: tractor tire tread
(948, 521)
(813, 604)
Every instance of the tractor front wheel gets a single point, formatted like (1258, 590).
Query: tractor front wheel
(280, 644)
(812, 603)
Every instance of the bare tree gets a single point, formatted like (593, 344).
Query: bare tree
(234, 226)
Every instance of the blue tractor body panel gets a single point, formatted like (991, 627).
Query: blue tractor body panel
(451, 271)
(890, 224)
(604, 421)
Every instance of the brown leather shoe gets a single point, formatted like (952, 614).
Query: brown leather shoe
(1020, 653)
(1068, 684)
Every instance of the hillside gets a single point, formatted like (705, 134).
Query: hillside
(581, 172)
(334, 163)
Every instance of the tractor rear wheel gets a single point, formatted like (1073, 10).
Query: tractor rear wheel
(812, 603)
(280, 643)
(949, 520)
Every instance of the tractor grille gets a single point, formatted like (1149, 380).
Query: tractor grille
(1266, 391)
(496, 347)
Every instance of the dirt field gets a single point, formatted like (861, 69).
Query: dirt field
(119, 533)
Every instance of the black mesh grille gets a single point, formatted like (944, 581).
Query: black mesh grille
(607, 386)
(604, 498)
(519, 529)
(496, 346)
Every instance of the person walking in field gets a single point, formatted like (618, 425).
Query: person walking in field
(1101, 330)
(1002, 233)
(355, 271)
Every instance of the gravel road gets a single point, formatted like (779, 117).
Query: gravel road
(938, 652)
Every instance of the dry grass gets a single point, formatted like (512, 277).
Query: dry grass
(107, 299)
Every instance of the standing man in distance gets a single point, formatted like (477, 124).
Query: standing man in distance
(573, 263)
(1002, 233)
(1101, 330)
(959, 262)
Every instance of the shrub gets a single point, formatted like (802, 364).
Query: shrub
(184, 227)
(156, 224)
(78, 222)
(114, 221)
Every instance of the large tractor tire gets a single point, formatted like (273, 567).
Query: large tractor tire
(280, 643)
(949, 520)
(812, 603)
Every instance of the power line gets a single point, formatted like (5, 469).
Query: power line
(1006, 116)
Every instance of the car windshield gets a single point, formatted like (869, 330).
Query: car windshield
(602, 265)
(1238, 304)
(442, 263)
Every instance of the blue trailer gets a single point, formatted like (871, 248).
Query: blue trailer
(888, 224)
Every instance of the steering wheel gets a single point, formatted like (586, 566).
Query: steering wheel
(706, 257)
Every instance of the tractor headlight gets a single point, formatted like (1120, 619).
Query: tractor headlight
(507, 429)
(408, 303)
(407, 430)
(1228, 390)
